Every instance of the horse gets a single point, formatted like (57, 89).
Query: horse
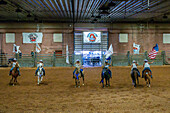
(15, 74)
(134, 76)
(146, 74)
(105, 75)
(76, 77)
(40, 75)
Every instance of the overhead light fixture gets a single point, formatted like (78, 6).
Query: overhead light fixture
(104, 12)
(104, 8)
(92, 22)
(35, 19)
(165, 16)
(2, 2)
(18, 10)
(111, 4)
(92, 16)
(29, 15)
(152, 20)
(95, 20)
(98, 16)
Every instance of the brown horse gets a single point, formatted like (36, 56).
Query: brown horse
(15, 74)
(147, 75)
(134, 77)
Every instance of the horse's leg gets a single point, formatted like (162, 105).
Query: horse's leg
(148, 82)
(11, 80)
(137, 79)
(38, 80)
(75, 82)
(109, 81)
(78, 83)
(41, 78)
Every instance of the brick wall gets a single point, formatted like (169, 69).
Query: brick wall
(147, 37)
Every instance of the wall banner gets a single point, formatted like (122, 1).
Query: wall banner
(32, 37)
(92, 37)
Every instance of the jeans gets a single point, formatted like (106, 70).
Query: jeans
(12, 69)
(146, 69)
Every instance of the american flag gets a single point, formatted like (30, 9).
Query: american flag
(154, 51)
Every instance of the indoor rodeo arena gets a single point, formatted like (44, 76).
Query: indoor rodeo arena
(84, 56)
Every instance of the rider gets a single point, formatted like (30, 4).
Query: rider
(134, 67)
(146, 66)
(40, 63)
(14, 62)
(78, 66)
(106, 67)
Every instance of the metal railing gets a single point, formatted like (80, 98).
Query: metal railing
(59, 60)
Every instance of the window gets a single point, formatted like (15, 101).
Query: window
(57, 37)
(123, 37)
(10, 37)
(166, 38)
(58, 53)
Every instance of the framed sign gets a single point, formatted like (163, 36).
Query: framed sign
(92, 37)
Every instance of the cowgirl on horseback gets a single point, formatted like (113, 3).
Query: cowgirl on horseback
(40, 63)
(134, 67)
(106, 67)
(78, 67)
(14, 62)
(146, 66)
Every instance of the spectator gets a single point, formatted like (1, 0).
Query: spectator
(20, 53)
(32, 53)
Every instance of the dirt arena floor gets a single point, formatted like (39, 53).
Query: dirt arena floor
(57, 94)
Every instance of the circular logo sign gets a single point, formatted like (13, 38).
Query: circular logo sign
(33, 37)
(92, 36)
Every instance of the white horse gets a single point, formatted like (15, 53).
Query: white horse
(40, 74)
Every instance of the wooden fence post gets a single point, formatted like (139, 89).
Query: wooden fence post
(54, 59)
(128, 56)
(163, 54)
(35, 57)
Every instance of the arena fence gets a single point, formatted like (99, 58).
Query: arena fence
(59, 60)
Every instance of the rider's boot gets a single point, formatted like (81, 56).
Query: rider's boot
(9, 73)
(19, 73)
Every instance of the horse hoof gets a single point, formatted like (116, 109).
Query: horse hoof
(83, 84)
(149, 85)
(78, 86)
(12, 84)
(75, 86)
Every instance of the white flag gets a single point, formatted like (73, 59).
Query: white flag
(136, 48)
(67, 55)
(38, 49)
(15, 48)
(109, 52)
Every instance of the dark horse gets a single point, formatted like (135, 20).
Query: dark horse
(134, 76)
(15, 74)
(105, 75)
(146, 74)
(77, 76)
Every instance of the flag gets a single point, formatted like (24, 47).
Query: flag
(15, 48)
(109, 52)
(154, 51)
(38, 49)
(67, 55)
(136, 48)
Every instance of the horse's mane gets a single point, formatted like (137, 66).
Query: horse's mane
(16, 66)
